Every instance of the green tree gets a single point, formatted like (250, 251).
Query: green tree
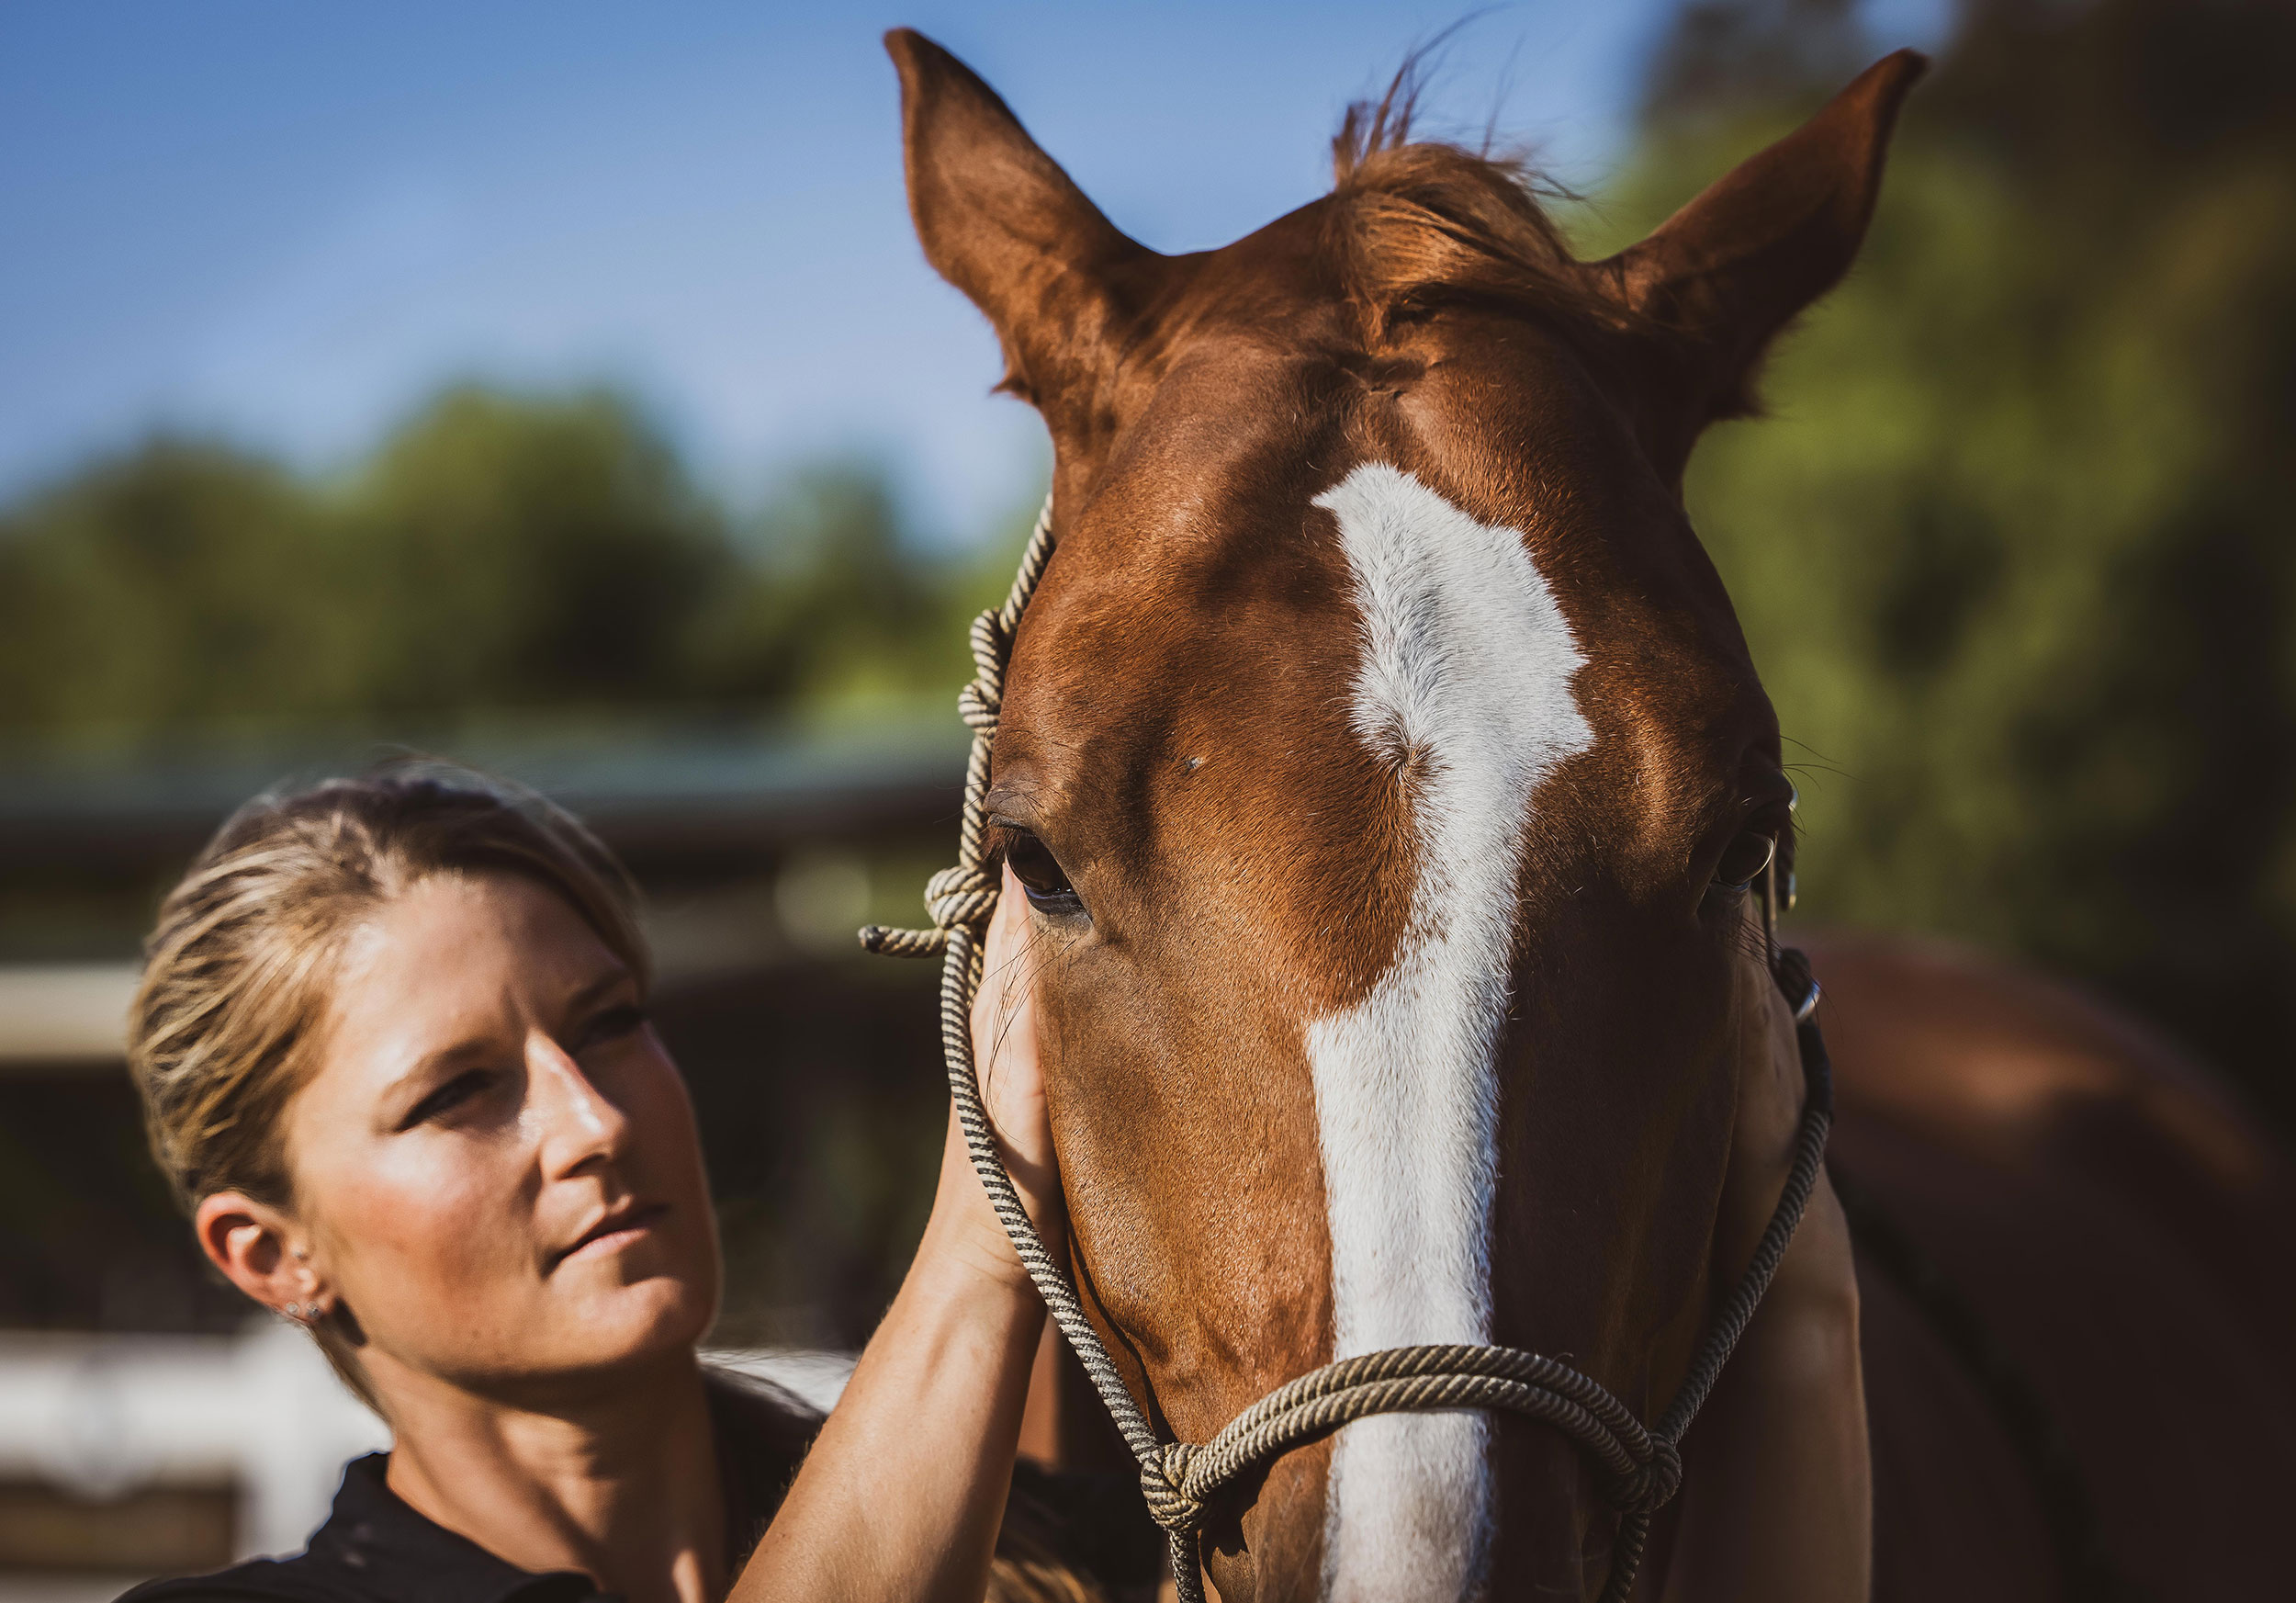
(148, 593)
(499, 555)
(840, 608)
(527, 552)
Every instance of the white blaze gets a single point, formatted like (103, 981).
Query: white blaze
(1465, 685)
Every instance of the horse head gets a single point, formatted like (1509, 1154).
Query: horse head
(1387, 771)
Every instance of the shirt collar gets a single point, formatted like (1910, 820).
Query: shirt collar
(381, 1545)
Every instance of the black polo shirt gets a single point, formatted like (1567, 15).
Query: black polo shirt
(374, 1547)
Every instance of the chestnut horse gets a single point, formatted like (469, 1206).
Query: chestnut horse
(1386, 769)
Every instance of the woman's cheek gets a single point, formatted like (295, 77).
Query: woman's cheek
(664, 1155)
(432, 1225)
(666, 1163)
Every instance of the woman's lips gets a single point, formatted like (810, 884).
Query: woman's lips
(614, 1233)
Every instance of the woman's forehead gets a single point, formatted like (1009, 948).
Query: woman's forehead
(450, 955)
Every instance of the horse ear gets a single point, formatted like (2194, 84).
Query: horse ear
(1001, 221)
(1734, 266)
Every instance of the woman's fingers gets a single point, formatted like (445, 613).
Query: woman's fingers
(1005, 1052)
(1003, 1012)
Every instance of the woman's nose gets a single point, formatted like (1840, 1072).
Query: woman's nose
(580, 1125)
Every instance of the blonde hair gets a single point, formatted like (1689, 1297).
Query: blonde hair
(237, 974)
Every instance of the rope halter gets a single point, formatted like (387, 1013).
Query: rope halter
(1641, 1467)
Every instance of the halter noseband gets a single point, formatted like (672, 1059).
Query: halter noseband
(1641, 1465)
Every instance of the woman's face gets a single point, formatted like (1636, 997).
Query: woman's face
(495, 1161)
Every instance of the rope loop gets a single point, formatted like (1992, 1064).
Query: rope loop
(1164, 1481)
(991, 643)
(961, 896)
(978, 706)
(1654, 1481)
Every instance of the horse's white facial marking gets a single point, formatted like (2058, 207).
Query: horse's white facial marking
(1465, 685)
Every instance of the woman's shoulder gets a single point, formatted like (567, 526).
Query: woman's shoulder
(763, 1432)
(374, 1548)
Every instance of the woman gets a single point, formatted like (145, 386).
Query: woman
(393, 1050)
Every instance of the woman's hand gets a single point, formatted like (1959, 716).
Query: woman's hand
(1004, 1057)
(1012, 1089)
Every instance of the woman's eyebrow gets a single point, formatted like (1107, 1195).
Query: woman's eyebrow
(597, 989)
(442, 1060)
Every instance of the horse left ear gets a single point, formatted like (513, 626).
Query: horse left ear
(1002, 222)
(1722, 276)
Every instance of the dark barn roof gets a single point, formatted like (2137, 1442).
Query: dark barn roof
(674, 801)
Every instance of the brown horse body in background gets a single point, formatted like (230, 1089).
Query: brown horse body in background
(2091, 1398)
(1386, 769)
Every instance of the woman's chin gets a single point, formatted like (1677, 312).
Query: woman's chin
(659, 1314)
(612, 1324)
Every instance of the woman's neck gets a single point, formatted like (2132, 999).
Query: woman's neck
(618, 1480)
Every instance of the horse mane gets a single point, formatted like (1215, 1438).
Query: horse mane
(1421, 222)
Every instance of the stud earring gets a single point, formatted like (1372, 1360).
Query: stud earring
(295, 1310)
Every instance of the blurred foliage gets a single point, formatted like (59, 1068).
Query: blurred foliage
(499, 554)
(2012, 549)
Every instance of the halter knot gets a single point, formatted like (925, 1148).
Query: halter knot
(960, 896)
(992, 641)
(1653, 1483)
(978, 705)
(1163, 1480)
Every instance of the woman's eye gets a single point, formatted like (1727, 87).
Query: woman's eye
(1744, 859)
(1041, 875)
(614, 1024)
(447, 1097)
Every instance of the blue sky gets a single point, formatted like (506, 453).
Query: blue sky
(287, 223)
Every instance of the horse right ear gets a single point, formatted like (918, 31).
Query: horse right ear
(1730, 269)
(1001, 221)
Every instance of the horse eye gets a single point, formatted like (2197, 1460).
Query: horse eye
(1744, 859)
(1041, 875)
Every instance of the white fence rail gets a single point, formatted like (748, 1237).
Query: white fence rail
(99, 1416)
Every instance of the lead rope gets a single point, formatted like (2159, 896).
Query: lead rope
(1641, 1467)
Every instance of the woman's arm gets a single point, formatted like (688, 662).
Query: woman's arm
(903, 1494)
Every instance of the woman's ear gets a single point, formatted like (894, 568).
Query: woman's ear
(260, 1250)
(1062, 287)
